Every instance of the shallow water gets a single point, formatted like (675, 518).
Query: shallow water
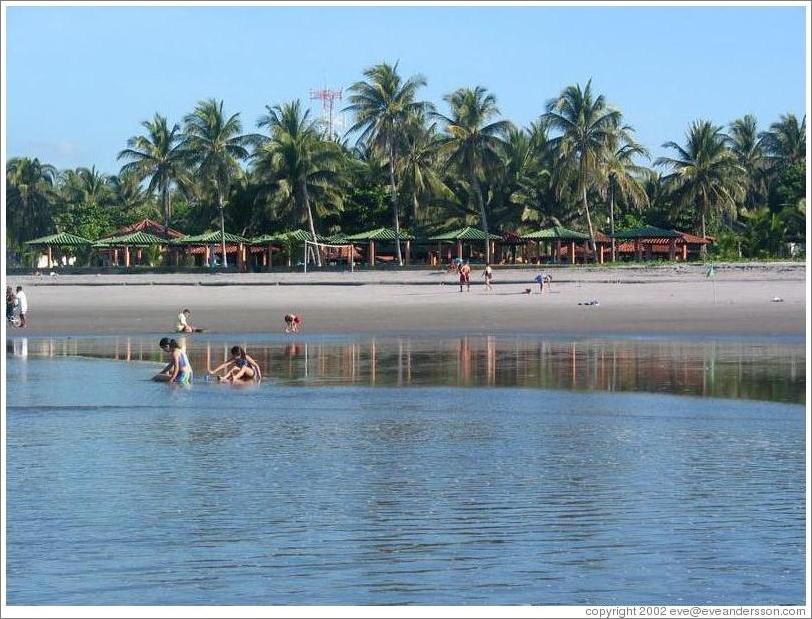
(321, 487)
(757, 369)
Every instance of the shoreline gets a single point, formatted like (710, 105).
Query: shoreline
(674, 301)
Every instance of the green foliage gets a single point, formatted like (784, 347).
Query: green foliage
(575, 167)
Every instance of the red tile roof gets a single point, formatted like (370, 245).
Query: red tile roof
(152, 227)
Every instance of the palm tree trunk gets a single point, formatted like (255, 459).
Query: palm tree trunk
(588, 217)
(703, 249)
(482, 216)
(222, 227)
(306, 197)
(612, 219)
(394, 199)
(165, 203)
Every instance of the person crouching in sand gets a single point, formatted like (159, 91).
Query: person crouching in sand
(241, 369)
(292, 322)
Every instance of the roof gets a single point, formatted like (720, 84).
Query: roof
(60, 239)
(135, 239)
(152, 227)
(511, 237)
(693, 239)
(209, 237)
(379, 234)
(463, 234)
(647, 232)
(558, 233)
(337, 238)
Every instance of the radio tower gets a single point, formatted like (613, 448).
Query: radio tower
(327, 97)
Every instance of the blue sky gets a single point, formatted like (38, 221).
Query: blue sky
(81, 79)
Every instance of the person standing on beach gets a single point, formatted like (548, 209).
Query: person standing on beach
(11, 302)
(488, 275)
(21, 302)
(465, 276)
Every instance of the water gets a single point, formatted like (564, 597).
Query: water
(392, 485)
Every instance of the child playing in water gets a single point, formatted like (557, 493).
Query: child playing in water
(179, 370)
(292, 322)
(240, 369)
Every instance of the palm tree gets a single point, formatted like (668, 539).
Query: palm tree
(30, 194)
(86, 186)
(418, 168)
(382, 106)
(624, 178)
(298, 162)
(158, 156)
(128, 194)
(213, 144)
(704, 174)
(589, 131)
(785, 142)
(743, 140)
(472, 143)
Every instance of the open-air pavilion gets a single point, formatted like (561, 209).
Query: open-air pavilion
(374, 238)
(125, 243)
(61, 241)
(460, 237)
(649, 241)
(210, 244)
(559, 243)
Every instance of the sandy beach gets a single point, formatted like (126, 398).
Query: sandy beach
(632, 300)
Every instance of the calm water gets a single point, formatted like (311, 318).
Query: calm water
(368, 472)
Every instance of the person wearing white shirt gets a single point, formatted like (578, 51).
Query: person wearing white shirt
(22, 305)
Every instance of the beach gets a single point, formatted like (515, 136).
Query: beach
(663, 300)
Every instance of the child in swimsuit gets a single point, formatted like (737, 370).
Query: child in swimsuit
(292, 322)
(240, 369)
(179, 369)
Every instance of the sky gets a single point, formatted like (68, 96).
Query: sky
(80, 80)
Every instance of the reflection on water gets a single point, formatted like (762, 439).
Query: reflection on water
(761, 371)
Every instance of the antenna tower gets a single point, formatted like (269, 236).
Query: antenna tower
(327, 96)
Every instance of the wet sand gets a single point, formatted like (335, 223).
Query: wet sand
(645, 301)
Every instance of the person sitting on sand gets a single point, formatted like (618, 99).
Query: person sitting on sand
(292, 322)
(240, 369)
(488, 275)
(183, 325)
(179, 369)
